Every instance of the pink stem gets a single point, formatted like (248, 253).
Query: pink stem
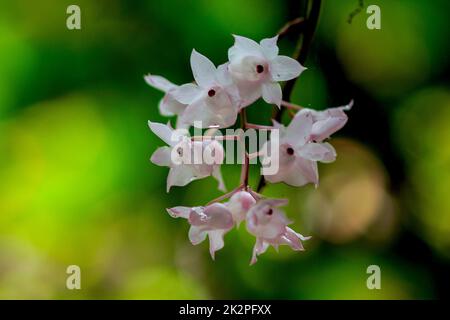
(245, 166)
(218, 138)
(257, 196)
(290, 105)
(225, 196)
(258, 126)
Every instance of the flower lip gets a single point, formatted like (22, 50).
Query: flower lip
(211, 93)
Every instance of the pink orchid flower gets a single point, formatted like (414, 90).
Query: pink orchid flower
(180, 156)
(257, 69)
(168, 106)
(214, 100)
(269, 225)
(213, 221)
(301, 145)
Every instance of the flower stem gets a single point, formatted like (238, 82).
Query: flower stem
(226, 195)
(292, 26)
(218, 138)
(290, 105)
(245, 166)
(258, 126)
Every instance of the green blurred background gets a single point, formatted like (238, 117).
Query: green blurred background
(76, 185)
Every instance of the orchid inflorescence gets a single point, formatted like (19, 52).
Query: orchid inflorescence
(214, 101)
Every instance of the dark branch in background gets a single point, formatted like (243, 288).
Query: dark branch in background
(356, 11)
(308, 27)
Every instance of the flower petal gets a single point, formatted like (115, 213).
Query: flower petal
(169, 106)
(330, 156)
(217, 174)
(161, 157)
(215, 241)
(186, 93)
(329, 121)
(180, 175)
(284, 68)
(299, 130)
(219, 217)
(244, 47)
(223, 76)
(196, 235)
(179, 212)
(306, 172)
(159, 83)
(259, 248)
(164, 132)
(318, 152)
(293, 239)
(298, 173)
(203, 69)
(271, 93)
(323, 129)
(206, 112)
(269, 47)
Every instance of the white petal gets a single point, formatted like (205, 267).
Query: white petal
(161, 157)
(297, 174)
(179, 212)
(203, 69)
(206, 112)
(186, 93)
(196, 235)
(259, 248)
(306, 170)
(284, 68)
(164, 132)
(217, 174)
(299, 130)
(223, 76)
(219, 217)
(180, 175)
(249, 93)
(329, 121)
(169, 106)
(323, 129)
(274, 202)
(215, 241)
(269, 47)
(330, 156)
(159, 83)
(244, 47)
(318, 152)
(271, 93)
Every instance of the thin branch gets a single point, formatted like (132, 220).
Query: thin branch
(226, 195)
(293, 26)
(257, 126)
(217, 138)
(290, 105)
(245, 166)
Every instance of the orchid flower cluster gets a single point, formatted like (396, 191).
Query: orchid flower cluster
(214, 101)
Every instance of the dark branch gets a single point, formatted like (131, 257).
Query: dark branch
(300, 55)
